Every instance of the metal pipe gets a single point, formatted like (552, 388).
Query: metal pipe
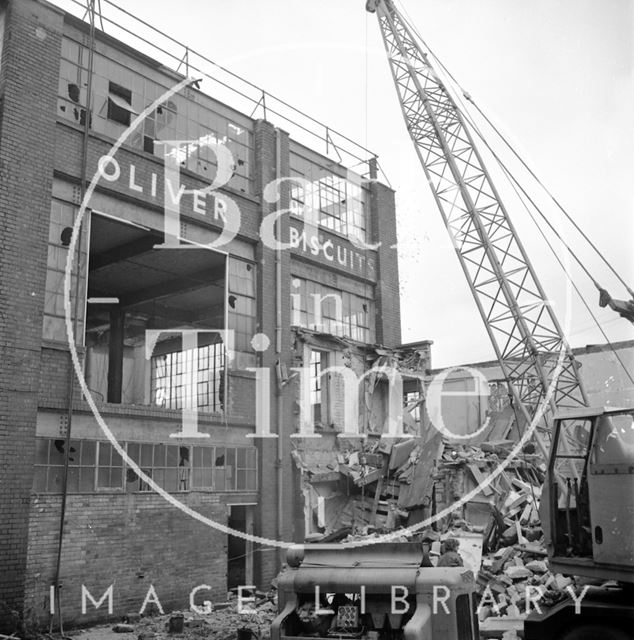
(71, 377)
(278, 351)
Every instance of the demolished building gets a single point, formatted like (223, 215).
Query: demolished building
(153, 301)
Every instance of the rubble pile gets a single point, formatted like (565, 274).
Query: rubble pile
(217, 621)
(513, 581)
(513, 577)
(382, 484)
(504, 500)
(362, 488)
(373, 483)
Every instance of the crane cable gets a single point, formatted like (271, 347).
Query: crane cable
(561, 264)
(516, 185)
(468, 97)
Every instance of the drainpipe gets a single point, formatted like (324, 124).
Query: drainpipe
(278, 351)
(71, 376)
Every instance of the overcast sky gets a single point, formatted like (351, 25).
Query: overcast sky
(555, 75)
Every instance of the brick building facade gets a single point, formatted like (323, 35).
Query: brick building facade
(149, 308)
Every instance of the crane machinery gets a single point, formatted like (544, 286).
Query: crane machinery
(587, 511)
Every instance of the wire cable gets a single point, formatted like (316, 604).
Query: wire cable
(517, 187)
(515, 184)
(468, 97)
(570, 279)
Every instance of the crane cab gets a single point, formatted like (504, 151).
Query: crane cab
(587, 507)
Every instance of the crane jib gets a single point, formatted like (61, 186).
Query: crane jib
(526, 335)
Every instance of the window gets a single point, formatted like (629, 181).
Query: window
(242, 310)
(412, 404)
(225, 468)
(235, 469)
(246, 478)
(49, 465)
(316, 367)
(96, 466)
(167, 465)
(189, 379)
(119, 104)
(109, 467)
(332, 202)
(192, 116)
(60, 229)
(203, 467)
(340, 202)
(321, 308)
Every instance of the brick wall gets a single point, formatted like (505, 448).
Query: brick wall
(28, 86)
(266, 153)
(131, 541)
(388, 309)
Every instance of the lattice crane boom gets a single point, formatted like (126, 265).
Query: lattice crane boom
(517, 314)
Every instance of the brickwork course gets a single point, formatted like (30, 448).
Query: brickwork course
(134, 540)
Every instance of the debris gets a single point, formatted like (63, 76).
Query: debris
(176, 623)
(123, 628)
(537, 566)
(132, 617)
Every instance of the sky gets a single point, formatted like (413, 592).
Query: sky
(555, 76)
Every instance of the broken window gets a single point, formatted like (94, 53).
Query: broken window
(225, 468)
(317, 365)
(412, 404)
(97, 466)
(167, 465)
(242, 309)
(119, 104)
(187, 379)
(50, 456)
(60, 231)
(146, 308)
(195, 116)
(73, 82)
(340, 202)
(341, 313)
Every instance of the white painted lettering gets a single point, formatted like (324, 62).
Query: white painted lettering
(86, 595)
(536, 597)
(207, 606)
(438, 600)
(151, 597)
(220, 209)
(575, 599)
(104, 162)
(132, 184)
(242, 599)
(175, 197)
(200, 203)
(402, 599)
(488, 598)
